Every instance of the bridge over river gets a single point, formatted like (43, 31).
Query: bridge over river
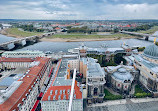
(142, 35)
(23, 41)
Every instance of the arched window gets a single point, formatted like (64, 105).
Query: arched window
(95, 91)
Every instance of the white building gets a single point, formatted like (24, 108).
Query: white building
(57, 95)
(4, 26)
(147, 64)
(95, 79)
(23, 54)
(120, 78)
(74, 64)
(18, 92)
(13, 63)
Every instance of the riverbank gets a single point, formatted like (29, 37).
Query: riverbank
(15, 32)
(81, 40)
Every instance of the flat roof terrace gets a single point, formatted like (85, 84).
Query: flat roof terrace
(63, 68)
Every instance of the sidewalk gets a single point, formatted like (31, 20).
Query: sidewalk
(125, 101)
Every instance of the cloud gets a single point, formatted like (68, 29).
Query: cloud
(75, 9)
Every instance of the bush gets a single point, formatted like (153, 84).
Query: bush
(156, 43)
(139, 93)
(141, 49)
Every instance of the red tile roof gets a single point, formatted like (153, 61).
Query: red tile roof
(57, 28)
(78, 93)
(16, 98)
(66, 88)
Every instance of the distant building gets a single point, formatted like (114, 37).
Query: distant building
(12, 63)
(19, 91)
(84, 50)
(127, 49)
(23, 54)
(5, 26)
(147, 64)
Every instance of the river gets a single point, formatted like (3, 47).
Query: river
(64, 46)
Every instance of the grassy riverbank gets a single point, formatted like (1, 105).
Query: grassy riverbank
(150, 31)
(15, 32)
(78, 36)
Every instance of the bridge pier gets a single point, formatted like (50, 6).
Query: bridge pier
(20, 43)
(7, 46)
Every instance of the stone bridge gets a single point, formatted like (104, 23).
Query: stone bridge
(23, 41)
(146, 36)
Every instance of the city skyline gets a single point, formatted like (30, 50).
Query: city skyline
(79, 10)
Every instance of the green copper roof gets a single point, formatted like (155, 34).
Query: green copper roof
(151, 51)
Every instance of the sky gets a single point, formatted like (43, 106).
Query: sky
(79, 9)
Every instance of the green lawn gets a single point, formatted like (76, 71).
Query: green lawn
(138, 89)
(76, 36)
(139, 93)
(16, 32)
(110, 96)
(150, 31)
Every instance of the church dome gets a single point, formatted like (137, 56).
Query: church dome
(151, 51)
(122, 75)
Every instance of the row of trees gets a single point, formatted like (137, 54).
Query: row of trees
(30, 28)
(114, 59)
(140, 93)
(142, 27)
(82, 30)
(89, 31)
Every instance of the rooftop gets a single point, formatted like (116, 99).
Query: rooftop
(26, 82)
(61, 93)
(148, 64)
(63, 68)
(122, 75)
(61, 81)
(95, 70)
(60, 87)
(4, 59)
(151, 51)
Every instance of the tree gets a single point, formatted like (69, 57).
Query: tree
(141, 48)
(118, 58)
(68, 27)
(116, 30)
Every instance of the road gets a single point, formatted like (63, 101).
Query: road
(145, 104)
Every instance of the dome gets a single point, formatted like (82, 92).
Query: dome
(122, 75)
(122, 70)
(151, 51)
